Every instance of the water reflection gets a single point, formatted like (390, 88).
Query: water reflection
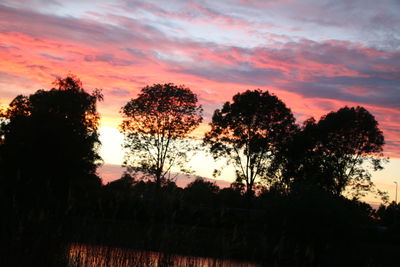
(99, 256)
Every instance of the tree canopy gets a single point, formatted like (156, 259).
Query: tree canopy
(249, 132)
(156, 126)
(332, 153)
(50, 142)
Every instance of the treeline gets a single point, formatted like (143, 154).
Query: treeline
(256, 134)
(286, 205)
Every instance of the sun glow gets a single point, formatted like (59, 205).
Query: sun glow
(111, 145)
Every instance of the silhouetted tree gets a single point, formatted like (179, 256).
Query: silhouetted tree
(201, 192)
(2, 155)
(332, 153)
(249, 132)
(51, 145)
(125, 182)
(156, 126)
(389, 214)
(3, 122)
(232, 197)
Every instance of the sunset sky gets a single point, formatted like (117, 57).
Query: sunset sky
(315, 55)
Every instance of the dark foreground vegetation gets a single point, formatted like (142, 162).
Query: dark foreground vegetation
(286, 207)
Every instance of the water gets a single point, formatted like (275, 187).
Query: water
(80, 255)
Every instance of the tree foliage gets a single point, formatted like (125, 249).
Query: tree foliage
(50, 143)
(249, 132)
(389, 215)
(156, 126)
(333, 152)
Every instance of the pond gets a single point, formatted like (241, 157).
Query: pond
(100, 256)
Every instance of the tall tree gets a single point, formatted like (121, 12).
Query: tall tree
(248, 132)
(50, 144)
(333, 153)
(156, 126)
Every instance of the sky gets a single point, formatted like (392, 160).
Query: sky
(315, 55)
